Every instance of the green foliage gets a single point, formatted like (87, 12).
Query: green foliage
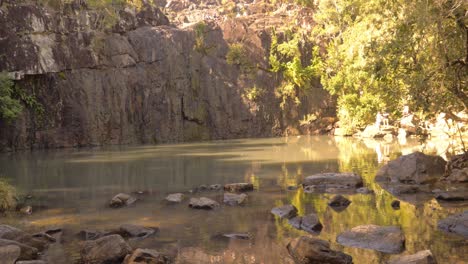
(237, 55)
(7, 196)
(386, 54)
(254, 93)
(10, 107)
(200, 35)
(286, 58)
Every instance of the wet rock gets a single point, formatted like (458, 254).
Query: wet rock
(128, 230)
(175, 197)
(27, 210)
(12, 233)
(339, 201)
(333, 180)
(147, 256)
(31, 262)
(415, 168)
(238, 187)
(122, 199)
(387, 239)
(287, 211)
(395, 204)
(420, 257)
(9, 254)
(45, 237)
(457, 224)
(234, 199)
(26, 252)
(292, 188)
(295, 222)
(215, 187)
(311, 223)
(364, 190)
(308, 250)
(203, 203)
(452, 195)
(89, 234)
(108, 249)
(242, 236)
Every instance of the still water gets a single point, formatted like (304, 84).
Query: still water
(72, 187)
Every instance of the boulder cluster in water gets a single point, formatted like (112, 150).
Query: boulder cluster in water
(407, 175)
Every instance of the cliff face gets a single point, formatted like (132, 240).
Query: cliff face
(133, 77)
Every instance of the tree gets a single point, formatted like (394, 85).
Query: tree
(10, 107)
(381, 54)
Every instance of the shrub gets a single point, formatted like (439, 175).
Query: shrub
(7, 196)
(10, 107)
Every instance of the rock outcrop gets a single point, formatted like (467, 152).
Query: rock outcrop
(108, 249)
(128, 75)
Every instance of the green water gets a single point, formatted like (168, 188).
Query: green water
(71, 189)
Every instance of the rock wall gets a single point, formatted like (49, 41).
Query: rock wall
(132, 77)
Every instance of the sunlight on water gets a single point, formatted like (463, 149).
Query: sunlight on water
(71, 189)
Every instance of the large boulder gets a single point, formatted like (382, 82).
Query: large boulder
(287, 211)
(238, 187)
(387, 239)
(12, 233)
(457, 169)
(147, 256)
(333, 181)
(457, 224)
(26, 253)
(122, 199)
(308, 250)
(311, 223)
(203, 203)
(420, 257)
(108, 249)
(234, 199)
(415, 168)
(9, 254)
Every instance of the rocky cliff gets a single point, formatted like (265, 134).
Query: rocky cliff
(129, 75)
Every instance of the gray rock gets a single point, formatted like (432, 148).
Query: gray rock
(420, 257)
(122, 199)
(203, 203)
(287, 211)
(27, 210)
(364, 190)
(311, 223)
(89, 234)
(339, 201)
(457, 195)
(242, 236)
(107, 249)
(387, 239)
(238, 187)
(31, 262)
(129, 230)
(12, 233)
(27, 252)
(295, 222)
(146, 256)
(457, 224)
(9, 254)
(234, 199)
(308, 250)
(215, 187)
(415, 168)
(175, 197)
(333, 180)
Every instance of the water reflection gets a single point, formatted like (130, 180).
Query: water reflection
(72, 187)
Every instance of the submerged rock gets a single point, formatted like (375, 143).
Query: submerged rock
(287, 211)
(456, 195)
(175, 197)
(308, 250)
(333, 181)
(457, 224)
(9, 254)
(241, 236)
(129, 230)
(311, 223)
(387, 239)
(89, 234)
(203, 203)
(234, 199)
(108, 249)
(413, 168)
(149, 256)
(122, 199)
(421, 257)
(339, 201)
(364, 190)
(26, 252)
(395, 204)
(239, 187)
